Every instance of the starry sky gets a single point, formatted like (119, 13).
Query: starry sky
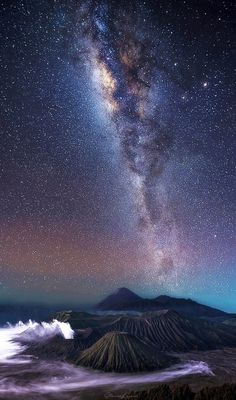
(117, 162)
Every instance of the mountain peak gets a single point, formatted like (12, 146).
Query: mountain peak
(120, 297)
(163, 298)
(123, 290)
(123, 352)
(124, 299)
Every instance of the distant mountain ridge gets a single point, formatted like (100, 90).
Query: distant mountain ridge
(14, 313)
(126, 300)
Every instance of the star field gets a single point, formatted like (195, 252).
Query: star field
(117, 150)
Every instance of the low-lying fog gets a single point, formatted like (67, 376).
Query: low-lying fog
(24, 375)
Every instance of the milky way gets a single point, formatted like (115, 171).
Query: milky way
(125, 58)
(117, 162)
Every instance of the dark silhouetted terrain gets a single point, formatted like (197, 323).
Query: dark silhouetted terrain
(167, 330)
(125, 299)
(122, 352)
(183, 392)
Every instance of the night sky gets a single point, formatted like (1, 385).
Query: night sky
(117, 150)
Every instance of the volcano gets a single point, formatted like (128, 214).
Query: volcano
(123, 352)
(125, 300)
(170, 331)
(119, 300)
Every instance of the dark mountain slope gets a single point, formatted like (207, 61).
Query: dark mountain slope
(187, 307)
(121, 298)
(56, 348)
(170, 331)
(86, 338)
(124, 299)
(81, 320)
(122, 352)
(164, 331)
(183, 392)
